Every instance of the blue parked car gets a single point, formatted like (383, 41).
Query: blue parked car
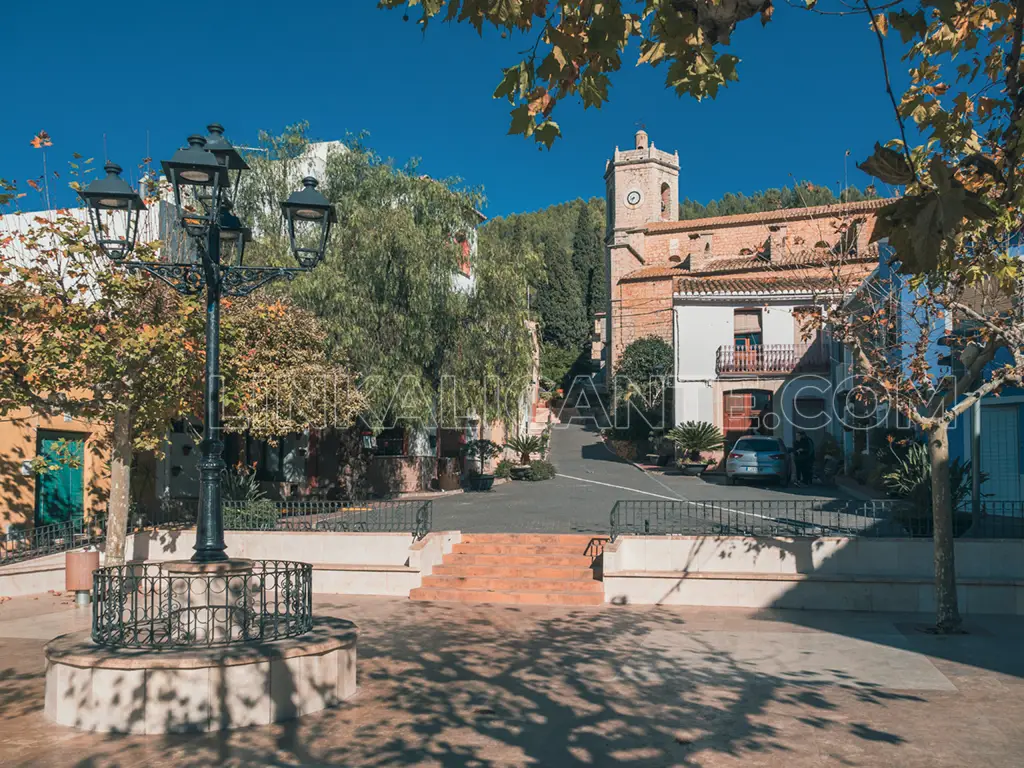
(756, 458)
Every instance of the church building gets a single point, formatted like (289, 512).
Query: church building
(727, 292)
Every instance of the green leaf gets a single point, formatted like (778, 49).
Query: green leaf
(509, 83)
(547, 132)
(522, 121)
(888, 165)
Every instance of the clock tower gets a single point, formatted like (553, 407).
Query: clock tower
(641, 187)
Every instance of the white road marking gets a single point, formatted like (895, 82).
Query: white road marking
(620, 487)
(702, 504)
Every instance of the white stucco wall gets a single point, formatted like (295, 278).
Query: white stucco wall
(701, 328)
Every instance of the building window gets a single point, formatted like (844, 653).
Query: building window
(666, 202)
(464, 266)
(746, 325)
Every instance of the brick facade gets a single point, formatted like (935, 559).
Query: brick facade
(646, 246)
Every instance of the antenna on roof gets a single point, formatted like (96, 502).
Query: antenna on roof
(846, 176)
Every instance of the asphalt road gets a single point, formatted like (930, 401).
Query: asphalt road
(590, 480)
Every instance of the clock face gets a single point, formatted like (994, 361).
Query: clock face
(633, 198)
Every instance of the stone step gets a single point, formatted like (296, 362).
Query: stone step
(515, 571)
(488, 596)
(519, 549)
(475, 558)
(505, 584)
(581, 540)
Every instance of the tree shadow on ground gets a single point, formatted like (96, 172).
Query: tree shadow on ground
(499, 686)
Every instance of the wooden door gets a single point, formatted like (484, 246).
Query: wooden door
(59, 489)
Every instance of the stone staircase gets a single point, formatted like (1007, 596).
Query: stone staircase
(539, 569)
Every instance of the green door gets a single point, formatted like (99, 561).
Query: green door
(59, 495)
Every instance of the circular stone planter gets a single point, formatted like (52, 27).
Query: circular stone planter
(118, 690)
(519, 471)
(692, 470)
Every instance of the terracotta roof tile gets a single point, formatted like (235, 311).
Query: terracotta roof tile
(751, 265)
(767, 217)
(819, 279)
(754, 263)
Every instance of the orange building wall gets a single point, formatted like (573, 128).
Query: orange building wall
(18, 435)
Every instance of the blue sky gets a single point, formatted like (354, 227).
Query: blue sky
(811, 88)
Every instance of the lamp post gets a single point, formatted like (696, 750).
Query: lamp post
(200, 175)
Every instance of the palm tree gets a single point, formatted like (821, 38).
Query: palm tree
(693, 438)
(524, 446)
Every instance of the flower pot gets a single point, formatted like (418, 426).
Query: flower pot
(448, 475)
(481, 482)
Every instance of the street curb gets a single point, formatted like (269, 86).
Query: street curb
(428, 495)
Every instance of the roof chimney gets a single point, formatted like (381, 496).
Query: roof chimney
(700, 251)
(641, 139)
(776, 241)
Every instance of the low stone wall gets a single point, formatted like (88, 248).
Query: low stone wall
(825, 573)
(343, 563)
(33, 577)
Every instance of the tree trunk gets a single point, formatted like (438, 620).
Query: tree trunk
(120, 488)
(947, 611)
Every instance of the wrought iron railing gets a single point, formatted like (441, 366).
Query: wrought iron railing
(772, 358)
(336, 516)
(808, 517)
(789, 517)
(151, 605)
(28, 543)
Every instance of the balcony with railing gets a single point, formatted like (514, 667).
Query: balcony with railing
(775, 359)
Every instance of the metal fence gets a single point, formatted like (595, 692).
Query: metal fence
(27, 543)
(149, 605)
(333, 516)
(808, 517)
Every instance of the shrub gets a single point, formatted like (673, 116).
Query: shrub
(240, 484)
(482, 450)
(633, 423)
(644, 365)
(555, 363)
(696, 437)
(258, 515)
(525, 445)
(504, 468)
(541, 470)
(911, 479)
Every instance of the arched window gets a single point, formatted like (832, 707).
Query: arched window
(666, 202)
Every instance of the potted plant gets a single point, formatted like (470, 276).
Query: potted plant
(692, 439)
(484, 450)
(525, 446)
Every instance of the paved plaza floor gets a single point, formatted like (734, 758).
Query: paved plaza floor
(461, 686)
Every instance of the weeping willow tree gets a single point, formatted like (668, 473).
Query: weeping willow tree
(431, 345)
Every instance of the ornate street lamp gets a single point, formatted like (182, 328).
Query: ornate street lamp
(198, 180)
(309, 217)
(200, 177)
(113, 212)
(233, 236)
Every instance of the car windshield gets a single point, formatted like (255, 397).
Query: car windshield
(758, 445)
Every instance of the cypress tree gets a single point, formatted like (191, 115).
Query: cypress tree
(588, 262)
(559, 301)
